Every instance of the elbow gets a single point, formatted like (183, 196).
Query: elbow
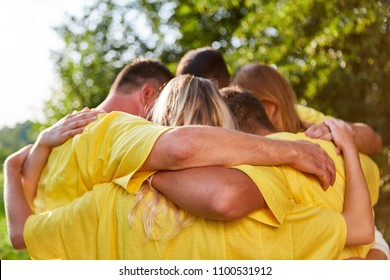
(367, 236)
(226, 210)
(181, 149)
(370, 235)
(361, 235)
(17, 241)
(228, 206)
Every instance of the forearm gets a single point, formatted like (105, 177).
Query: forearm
(32, 170)
(367, 140)
(211, 192)
(186, 147)
(358, 211)
(16, 207)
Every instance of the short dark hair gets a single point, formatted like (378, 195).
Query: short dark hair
(139, 72)
(248, 110)
(206, 63)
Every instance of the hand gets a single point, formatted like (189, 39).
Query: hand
(67, 127)
(319, 131)
(16, 160)
(312, 159)
(342, 134)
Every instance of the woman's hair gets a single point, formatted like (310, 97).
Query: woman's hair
(267, 84)
(185, 100)
(190, 100)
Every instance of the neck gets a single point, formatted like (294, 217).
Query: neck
(119, 102)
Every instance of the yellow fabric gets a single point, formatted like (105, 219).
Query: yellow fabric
(95, 226)
(110, 149)
(307, 191)
(310, 115)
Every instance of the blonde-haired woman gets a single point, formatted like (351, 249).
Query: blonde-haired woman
(190, 100)
(280, 102)
(185, 100)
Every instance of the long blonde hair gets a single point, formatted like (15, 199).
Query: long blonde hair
(185, 100)
(190, 100)
(267, 84)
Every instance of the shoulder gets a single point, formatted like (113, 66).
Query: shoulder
(310, 115)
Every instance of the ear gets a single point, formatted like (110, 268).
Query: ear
(148, 96)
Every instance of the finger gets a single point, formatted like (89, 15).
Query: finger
(74, 132)
(78, 124)
(71, 119)
(326, 136)
(319, 132)
(328, 176)
(83, 122)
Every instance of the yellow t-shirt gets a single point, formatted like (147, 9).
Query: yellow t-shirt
(95, 226)
(307, 191)
(110, 149)
(310, 115)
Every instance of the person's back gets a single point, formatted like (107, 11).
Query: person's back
(250, 113)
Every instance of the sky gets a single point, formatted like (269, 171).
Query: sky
(26, 70)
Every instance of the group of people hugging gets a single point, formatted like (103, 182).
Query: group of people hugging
(198, 165)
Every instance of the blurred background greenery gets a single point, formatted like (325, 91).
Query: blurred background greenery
(335, 53)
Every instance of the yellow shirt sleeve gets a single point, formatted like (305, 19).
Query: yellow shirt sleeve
(310, 115)
(110, 149)
(271, 183)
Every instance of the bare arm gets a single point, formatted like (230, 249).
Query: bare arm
(51, 137)
(211, 192)
(358, 211)
(194, 146)
(367, 140)
(17, 209)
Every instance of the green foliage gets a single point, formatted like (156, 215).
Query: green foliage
(12, 139)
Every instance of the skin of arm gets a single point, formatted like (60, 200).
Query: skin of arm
(194, 146)
(211, 192)
(17, 209)
(367, 140)
(376, 254)
(358, 211)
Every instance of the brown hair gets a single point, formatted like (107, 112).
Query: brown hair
(267, 84)
(207, 63)
(248, 110)
(139, 72)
